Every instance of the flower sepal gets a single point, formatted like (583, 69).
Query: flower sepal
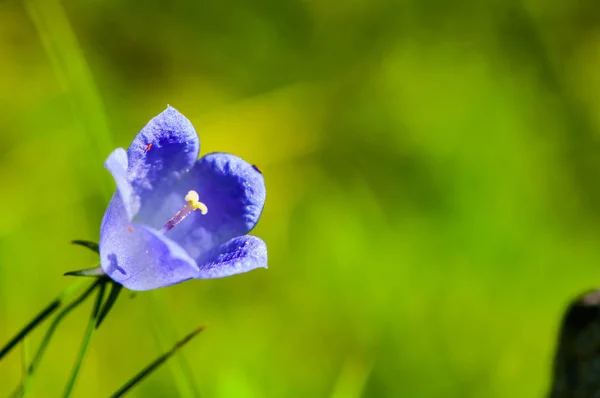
(96, 271)
(103, 279)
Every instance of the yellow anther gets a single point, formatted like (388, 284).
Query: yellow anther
(193, 203)
(192, 196)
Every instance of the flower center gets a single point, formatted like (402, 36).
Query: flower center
(193, 203)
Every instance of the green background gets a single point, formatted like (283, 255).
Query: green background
(432, 173)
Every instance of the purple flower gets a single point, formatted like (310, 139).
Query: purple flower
(175, 217)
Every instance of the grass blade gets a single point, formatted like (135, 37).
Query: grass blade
(45, 313)
(164, 331)
(24, 358)
(27, 382)
(73, 73)
(86, 341)
(115, 289)
(39, 318)
(155, 364)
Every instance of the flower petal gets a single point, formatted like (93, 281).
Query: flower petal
(116, 163)
(139, 257)
(231, 188)
(234, 191)
(166, 147)
(241, 254)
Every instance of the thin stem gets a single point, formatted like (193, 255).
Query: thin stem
(115, 290)
(164, 332)
(27, 383)
(45, 313)
(39, 318)
(24, 358)
(155, 364)
(86, 341)
(74, 75)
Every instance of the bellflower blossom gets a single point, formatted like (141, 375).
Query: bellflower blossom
(175, 217)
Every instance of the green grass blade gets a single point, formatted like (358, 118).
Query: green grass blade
(27, 382)
(86, 341)
(163, 331)
(155, 364)
(74, 75)
(115, 289)
(39, 318)
(24, 359)
(45, 313)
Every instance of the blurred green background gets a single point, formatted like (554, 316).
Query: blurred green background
(433, 188)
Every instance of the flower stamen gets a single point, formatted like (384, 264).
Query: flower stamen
(193, 203)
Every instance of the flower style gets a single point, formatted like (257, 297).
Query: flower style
(175, 217)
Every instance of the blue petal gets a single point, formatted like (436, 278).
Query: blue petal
(139, 257)
(231, 188)
(117, 165)
(241, 254)
(164, 149)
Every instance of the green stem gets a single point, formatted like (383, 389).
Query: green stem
(27, 383)
(24, 358)
(164, 331)
(45, 313)
(74, 75)
(115, 290)
(86, 340)
(155, 364)
(39, 318)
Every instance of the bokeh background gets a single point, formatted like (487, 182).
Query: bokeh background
(433, 188)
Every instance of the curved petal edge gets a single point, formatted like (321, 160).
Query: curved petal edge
(116, 164)
(168, 145)
(238, 255)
